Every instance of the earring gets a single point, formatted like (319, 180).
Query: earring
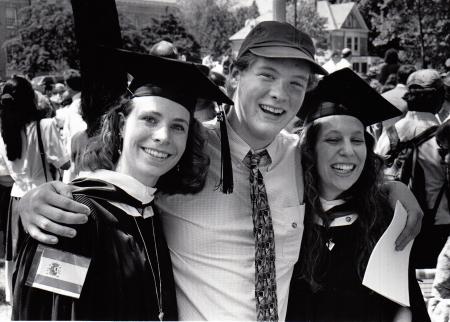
(178, 168)
(119, 148)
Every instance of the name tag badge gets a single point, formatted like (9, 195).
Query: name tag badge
(58, 271)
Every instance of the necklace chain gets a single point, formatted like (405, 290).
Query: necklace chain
(158, 294)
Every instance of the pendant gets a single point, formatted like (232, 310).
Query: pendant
(330, 244)
(161, 316)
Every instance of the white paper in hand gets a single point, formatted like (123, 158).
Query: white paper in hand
(387, 269)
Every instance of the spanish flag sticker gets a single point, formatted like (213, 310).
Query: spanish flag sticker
(58, 271)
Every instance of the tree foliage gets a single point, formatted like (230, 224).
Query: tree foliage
(308, 21)
(244, 13)
(131, 35)
(395, 23)
(170, 28)
(213, 22)
(46, 39)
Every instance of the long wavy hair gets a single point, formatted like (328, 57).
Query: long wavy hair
(18, 108)
(188, 176)
(366, 196)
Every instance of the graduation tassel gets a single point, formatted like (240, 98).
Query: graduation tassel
(226, 173)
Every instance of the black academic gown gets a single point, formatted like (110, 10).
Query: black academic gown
(343, 297)
(119, 284)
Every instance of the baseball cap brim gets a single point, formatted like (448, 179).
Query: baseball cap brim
(288, 52)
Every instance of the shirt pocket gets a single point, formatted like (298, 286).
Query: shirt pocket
(289, 232)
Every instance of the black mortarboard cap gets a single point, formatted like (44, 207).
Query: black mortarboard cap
(345, 93)
(182, 82)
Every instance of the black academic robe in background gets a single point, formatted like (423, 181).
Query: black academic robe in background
(343, 298)
(119, 284)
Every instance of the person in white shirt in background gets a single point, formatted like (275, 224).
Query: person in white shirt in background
(395, 97)
(346, 60)
(57, 96)
(331, 65)
(21, 152)
(425, 96)
(69, 118)
(444, 113)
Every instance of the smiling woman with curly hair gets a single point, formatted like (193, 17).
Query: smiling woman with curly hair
(346, 210)
(118, 265)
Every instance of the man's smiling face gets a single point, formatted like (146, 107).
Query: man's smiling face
(270, 92)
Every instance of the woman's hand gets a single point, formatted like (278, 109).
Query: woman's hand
(43, 208)
(398, 191)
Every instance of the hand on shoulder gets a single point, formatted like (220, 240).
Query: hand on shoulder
(45, 208)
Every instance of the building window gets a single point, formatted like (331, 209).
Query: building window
(353, 44)
(349, 43)
(11, 17)
(364, 68)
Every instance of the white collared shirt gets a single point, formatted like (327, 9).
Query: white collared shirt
(339, 221)
(130, 185)
(210, 234)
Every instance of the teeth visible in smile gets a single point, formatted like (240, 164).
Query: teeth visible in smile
(156, 154)
(272, 109)
(343, 167)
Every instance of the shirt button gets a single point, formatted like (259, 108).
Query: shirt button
(294, 225)
(348, 219)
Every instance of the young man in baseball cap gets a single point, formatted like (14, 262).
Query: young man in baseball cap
(425, 96)
(216, 239)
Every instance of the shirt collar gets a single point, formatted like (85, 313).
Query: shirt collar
(125, 182)
(240, 148)
(328, 204)
(340, 221)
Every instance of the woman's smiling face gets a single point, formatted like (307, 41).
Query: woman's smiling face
(154, 138)
(340, 153)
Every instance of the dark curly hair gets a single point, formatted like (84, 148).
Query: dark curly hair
(424, 99)
(366, 197)
(18, 108)
(187, 177)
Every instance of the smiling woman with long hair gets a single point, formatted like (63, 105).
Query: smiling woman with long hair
(119, 263)
(346, 211)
